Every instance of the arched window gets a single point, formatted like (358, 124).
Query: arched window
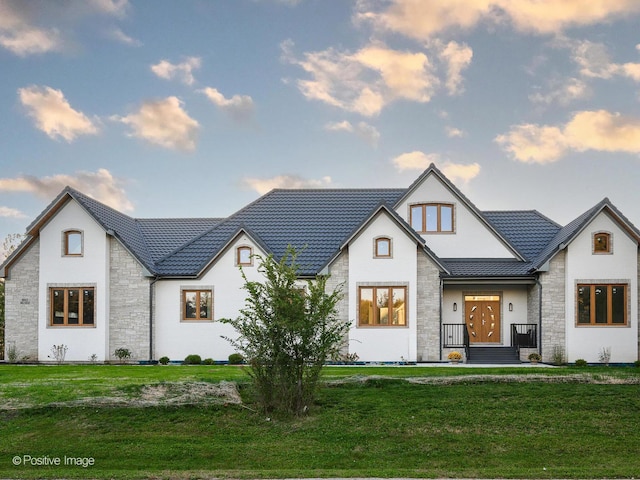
(244, 256)
(382, 248)
(73, 243)
(602, 242)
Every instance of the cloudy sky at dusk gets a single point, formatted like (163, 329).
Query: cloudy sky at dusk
(194, 108)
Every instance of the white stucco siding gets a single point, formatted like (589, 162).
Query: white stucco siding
(391, 344)
(88, 270)
(176, 338)
(515, 295)
(471, 238)
(583, 266)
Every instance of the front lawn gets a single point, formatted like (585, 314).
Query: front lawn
(460, 423)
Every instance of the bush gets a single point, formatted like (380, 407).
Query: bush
(236, 359)
(192, 360)
(581, 362)
(122, 354)
(534, 357)
(164, 360)
(637, 363)
(208, 361)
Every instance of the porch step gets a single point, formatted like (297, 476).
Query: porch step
(494, 355)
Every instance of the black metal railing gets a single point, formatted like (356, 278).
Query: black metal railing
(455, 335)
(524, 335)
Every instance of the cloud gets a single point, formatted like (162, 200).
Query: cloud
(457, 58)
(366, 81)
(367, 132)
(424, 19)
(119, 36)
(100, 185)
(52, 113)
(264, 185)
(588, 130)
(562, 94)
(163, 122)
(6, 212)
(238, 107)
(30, 27)
(457, 172)
(594, 61)
(415, 160)
(181, 71)
(453, 132)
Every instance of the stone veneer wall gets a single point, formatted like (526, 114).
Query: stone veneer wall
(638, 314)
(128, 303)
(21, 304)
(340, 278)
(428, 314)
(553, 307)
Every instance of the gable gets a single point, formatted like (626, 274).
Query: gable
(471, 236)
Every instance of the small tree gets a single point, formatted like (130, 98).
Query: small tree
(287, 333)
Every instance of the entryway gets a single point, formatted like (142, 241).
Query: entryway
(482, 318)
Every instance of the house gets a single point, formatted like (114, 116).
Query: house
(423, 272)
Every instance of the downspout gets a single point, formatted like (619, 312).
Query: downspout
(440, 321)
(151, 290)
(539, 315)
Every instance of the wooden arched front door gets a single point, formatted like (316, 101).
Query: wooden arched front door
(482, 317)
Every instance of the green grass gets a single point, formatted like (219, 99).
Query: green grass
(377, 427)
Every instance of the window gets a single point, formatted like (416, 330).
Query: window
(73, 243)
(243, 256)
(432, 218)
(72, 307)
(602, 305)
(602, 242)
(382, 247)
(197, 305)
(383, 306)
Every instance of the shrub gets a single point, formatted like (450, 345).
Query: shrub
(208, 361)
(557, 356)
(122, 354)
(13, 353)
(581, 362)
(236, 359)
(58, 352)
(637, 363)
(605, 355)
(534, 357)
(193, 359)
(164, 360)
(454, 356)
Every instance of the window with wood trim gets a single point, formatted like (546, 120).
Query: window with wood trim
(432, 218)
(601, 304)
(197, 305)
(382, 247)
(382, 306)
(244, 256)
(72, 240)
(602, 242)
(72, 307)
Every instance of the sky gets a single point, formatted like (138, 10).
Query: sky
(195, 108)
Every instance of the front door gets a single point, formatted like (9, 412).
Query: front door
(482, 317)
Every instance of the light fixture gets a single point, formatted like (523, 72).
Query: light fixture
(455, 307)
(510, 307)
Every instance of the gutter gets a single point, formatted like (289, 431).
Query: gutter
(440, 319)
(151, 290)
(539, 315)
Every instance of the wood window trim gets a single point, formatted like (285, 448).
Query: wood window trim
(376, 247)
(65, 310)
(423, 213)
(183, 305)
(65, 243)
(239, 250)
(592, 310)
(602, 248)
(375, 311)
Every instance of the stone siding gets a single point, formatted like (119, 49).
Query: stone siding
(21, 305)
(428, 300)
(128, 304)
(553, 307)
(339, 270)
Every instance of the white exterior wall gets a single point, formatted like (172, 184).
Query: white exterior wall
(89, 270)
(471, 237)
(582, 266)
(176, 338)
(386, 344)
(516, 295)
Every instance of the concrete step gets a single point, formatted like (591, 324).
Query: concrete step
(494, 355)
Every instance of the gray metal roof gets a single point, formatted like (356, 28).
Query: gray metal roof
(319, 221)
